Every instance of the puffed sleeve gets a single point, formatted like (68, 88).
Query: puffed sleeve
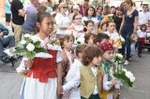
(22, 65)
(106, 83)
(72, 83)
(58, 57)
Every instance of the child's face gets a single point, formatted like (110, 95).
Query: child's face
(143, 28)
(108, 55)
(90, 26)
(111, 27)
(104, 27)
(91, 40)
(46, 26)
(77, 19)
(96, 60)
(68, 43)
(90, 11)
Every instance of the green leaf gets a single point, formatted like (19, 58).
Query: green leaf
(37, 50)
(37, 44)
(126, 81)
(30, 55)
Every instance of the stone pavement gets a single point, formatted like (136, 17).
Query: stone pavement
(141, 69)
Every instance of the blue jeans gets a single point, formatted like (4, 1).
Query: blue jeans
(126, 48)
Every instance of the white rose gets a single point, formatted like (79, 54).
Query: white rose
(132, 79)
(120, 56)
(129, 74)
(30, 47)
(124, 70)
(34, 39)
(27, 35)
(23, 42)
(148, 34)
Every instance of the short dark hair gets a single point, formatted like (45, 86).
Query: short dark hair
(89, 53)
(143, 25)
(101, 36)
(80, 48)
(86, 12)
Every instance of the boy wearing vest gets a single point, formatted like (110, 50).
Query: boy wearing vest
(88, 77)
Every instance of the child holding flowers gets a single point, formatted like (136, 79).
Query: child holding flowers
(110, 84)
(41, 77)
(115, 38)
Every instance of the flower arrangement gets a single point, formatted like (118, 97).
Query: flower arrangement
(29, 47)
(148, 35)
(126, 77)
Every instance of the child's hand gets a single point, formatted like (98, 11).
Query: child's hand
(59, 91)
(116, 94)
(23, 72)
(28, 63)
(113, 82)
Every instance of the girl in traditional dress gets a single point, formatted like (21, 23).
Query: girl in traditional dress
(67, 54)
(41, 77)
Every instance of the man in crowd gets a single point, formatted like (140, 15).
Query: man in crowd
(18, 14)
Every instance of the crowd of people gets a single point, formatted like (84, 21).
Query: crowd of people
(86, 39)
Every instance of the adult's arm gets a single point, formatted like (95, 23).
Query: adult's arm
(122, 23)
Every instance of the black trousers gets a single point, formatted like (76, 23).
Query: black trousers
(6, 42)
(140, 46)
(92, 97)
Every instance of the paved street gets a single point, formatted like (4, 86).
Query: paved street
(10, 81)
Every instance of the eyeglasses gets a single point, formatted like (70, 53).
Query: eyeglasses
(78, 18)
(64, 7)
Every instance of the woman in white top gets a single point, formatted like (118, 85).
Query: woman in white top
(62, 19)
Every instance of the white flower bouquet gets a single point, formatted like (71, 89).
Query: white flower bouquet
(126, 77)
(148, 35)
(29, 47)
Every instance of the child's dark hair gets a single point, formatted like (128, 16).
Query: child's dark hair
(62, 38)
(41, 16)
(86, 12)
(79, 49)
(86, 24)
(88, 36)
(107, 23)
(89, 53)
(101, 36)
(74, 16)
(143, 25)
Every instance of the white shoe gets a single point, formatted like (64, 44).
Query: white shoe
(126, 62)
